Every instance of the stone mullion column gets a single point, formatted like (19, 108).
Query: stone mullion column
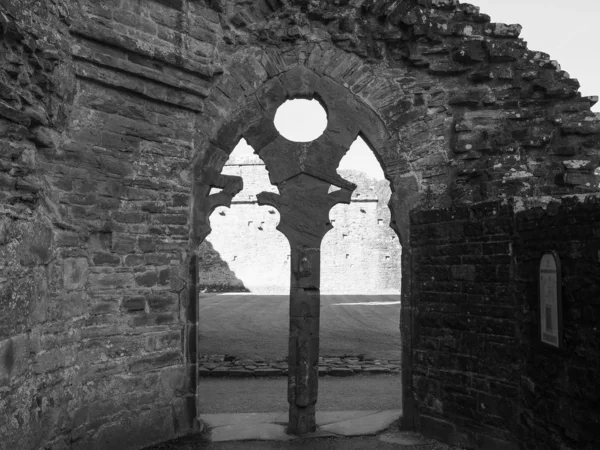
(303, 360)
(304, 204)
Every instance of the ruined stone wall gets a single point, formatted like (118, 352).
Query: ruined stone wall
(95, 188)
(116, 118)
(467, 365)
(481, 376)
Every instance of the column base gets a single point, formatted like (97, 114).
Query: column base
(302, 420)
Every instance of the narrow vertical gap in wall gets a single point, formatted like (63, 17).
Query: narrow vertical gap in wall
(360, 287)
(243, 288)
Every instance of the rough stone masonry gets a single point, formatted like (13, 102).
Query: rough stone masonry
(116, 119)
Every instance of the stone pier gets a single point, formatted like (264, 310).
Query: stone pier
(304, 203)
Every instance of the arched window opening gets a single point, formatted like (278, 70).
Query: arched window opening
(243, 272)
(360, 286)
(301, 120)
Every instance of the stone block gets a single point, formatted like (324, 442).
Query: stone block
(14, 358)
(267, 372)
(164, 277)
(153, 319)
(54, 359)
(110, 280)
(241, 373)
(71, 304)
(204, 372)
(376, 370)
(155, 361)
(123, 244)
(75, 273)
(158, 259)
(220, 372)
(134, 260)
(101, 241)
(340, 372)
(172, 382)
(146, 279)
(134, 304)
(106, 259)
(36, 246)
(66, 239)
(172, 219)
(464, 272)
(129, 217)
(165, 301)
(104, 307)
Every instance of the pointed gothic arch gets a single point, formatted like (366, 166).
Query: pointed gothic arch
(348, 118)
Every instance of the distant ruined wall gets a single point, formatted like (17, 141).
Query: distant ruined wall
(116, 119)
(360, 255)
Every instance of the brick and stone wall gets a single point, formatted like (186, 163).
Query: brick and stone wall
(466, 369)
(116, 118)
(560, 393)
(94, 195)
(481, 376)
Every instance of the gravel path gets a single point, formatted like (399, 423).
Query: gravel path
(360, 392)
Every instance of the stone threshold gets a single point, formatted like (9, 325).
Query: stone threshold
(272, 426)
(230, 366)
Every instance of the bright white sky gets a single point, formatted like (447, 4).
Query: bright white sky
(568, 30)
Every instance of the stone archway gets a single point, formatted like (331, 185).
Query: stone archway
(461, 103)
(296, 169)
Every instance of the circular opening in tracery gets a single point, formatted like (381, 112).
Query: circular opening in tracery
(301, 120)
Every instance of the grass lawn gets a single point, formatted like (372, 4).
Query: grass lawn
(256, 326)
(359, 393)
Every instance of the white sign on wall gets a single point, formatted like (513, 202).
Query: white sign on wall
(550, 300)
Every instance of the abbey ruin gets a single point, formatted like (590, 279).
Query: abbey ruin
(117, 118)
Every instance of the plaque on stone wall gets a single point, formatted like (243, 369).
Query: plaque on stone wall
(550, 300)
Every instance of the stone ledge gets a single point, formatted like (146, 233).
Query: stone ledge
(228, 366)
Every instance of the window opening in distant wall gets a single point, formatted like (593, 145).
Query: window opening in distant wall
(360, 285)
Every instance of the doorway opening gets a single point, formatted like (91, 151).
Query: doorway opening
(243, 330)
(360, 292)
(243, 284)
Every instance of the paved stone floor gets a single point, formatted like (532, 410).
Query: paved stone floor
(337, 430)
(272, 426)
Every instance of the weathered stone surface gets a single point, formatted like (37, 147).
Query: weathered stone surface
(110, 118)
